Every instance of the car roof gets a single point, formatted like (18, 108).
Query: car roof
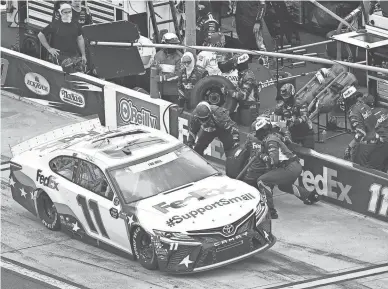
(126, 145)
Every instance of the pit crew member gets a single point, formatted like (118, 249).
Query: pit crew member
(168, 60)
(206, 24)
(296, 116)
(207, 123)
(249, 24)
(66, 37)
(209, 59)
(368, 147)
(246, 93)
(284, 167)
(188, 76)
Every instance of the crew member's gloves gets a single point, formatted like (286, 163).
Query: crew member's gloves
(236, 144)
(265, 158)
(358, 137)
(287, 140)
(379, 139)
(290, 122)
(347, 155)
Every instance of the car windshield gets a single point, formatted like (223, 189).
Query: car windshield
(164, 173)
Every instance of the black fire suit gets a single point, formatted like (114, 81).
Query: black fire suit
(219, 125)
(187, 83)
(206, 26)
(299, 124)
(369, 148)
(246, 93)
(284, 170)
(248, 13)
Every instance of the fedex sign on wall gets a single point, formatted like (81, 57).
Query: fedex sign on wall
(358, 189)
(326, 183)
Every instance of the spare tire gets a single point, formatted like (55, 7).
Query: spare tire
(209, 89)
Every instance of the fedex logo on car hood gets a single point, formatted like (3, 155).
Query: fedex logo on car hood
(191, 208)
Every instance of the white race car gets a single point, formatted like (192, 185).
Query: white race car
(142, 193)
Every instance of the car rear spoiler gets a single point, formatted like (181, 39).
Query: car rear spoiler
(56, 134)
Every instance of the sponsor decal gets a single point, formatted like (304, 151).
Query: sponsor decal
(114, 213)
(4, 70)
(116, 201)
(129, 113)
(349, 92)
(199, 195)
(326, 184)
(72, 97)
(378, 201)
(230, 240)
(37, 83)
(46, 181)
(201, 211)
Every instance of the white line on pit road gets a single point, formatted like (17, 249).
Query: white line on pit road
(34, 275)
(341, 277)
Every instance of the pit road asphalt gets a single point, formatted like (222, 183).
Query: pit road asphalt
(313, 241)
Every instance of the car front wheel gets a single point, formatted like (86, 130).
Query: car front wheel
(143, 249)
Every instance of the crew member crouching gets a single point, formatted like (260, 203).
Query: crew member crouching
(207, 123)
(284, 167)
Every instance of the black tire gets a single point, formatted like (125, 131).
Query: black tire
(209, 89)
(143, 249)
(47, 212)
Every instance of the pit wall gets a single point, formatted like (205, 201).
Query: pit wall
(340, 182)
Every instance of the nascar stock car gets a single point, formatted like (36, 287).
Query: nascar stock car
(141, 193)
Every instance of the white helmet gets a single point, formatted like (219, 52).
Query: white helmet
(170, 38)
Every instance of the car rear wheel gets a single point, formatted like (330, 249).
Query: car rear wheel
(47, 212)
(143, 249)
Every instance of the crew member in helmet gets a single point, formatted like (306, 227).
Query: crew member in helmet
(212, 121)
(296, 116)
(368, 148)
(283, 167)
(188, 76)
(209, 59)
(206, 24)
(246, 93)
(168, 60)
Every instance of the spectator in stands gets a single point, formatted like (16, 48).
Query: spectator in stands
(189, 75)
(368, 148)
(147, 55)
(66, 37)
(167, 61)
(80, 13)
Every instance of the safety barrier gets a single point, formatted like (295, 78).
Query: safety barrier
(80, 93)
